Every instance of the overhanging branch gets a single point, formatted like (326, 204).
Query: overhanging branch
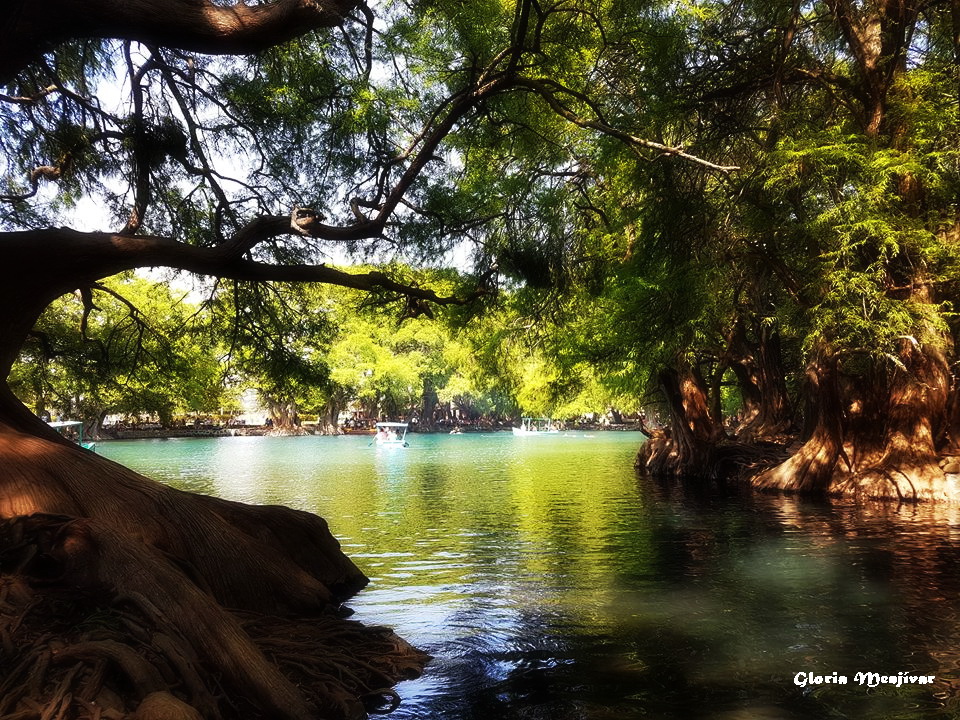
(195, 25)
(548, 91)
(301, 221)
(69, 259)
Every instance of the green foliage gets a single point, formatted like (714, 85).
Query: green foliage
(139, 354)
(585, 186)
(271, 337)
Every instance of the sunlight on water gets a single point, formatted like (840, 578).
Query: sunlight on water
(548, 581)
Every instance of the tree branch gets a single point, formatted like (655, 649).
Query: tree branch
(301, 221)
(547, 90)
(196, 25)
(141, 164)
(70, 259)
(44, 172)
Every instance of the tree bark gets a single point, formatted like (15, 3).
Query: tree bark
(428, 405)
(189, 562)
(31, 28)
(810, 469)
(758, 367)
(285, 415)
(687, 448)
(904, 465)
(877, 35)
(875, 435)
(330, 424)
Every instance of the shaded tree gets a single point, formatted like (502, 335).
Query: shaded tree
(871, 206)
(221, 166)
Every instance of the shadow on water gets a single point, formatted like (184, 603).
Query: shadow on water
(713, 617)
(549, 581)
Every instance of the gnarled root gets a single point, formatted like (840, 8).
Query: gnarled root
(95, 624)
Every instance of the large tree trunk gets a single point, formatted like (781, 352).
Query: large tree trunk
(687, 448)
(330, 419)
(231, 607)
(948, 439)
(877, 35)
(758, 367)
(285, 416)
(875, 435)
(177, 562)
(904, 463)
(428, 406)
(810, 469)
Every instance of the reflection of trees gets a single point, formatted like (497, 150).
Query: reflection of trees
(914, 552)
(712, 605)
(548, 589)
(868, 586)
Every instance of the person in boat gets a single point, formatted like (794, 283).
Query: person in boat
(382, 434)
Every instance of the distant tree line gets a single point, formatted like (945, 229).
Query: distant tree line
(151, 351)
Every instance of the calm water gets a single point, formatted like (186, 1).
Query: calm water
(549, 581)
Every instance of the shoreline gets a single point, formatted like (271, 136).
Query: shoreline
(107, 434)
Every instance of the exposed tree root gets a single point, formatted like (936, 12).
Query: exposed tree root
(728, 460)
(94, 626)
(124, 598)
(220, 545)
(878, 431)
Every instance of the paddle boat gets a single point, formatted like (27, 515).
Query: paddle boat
(536, 426)
(61, 425)
(391, 434)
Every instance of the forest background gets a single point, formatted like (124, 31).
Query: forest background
(316, 359)
(741, 217)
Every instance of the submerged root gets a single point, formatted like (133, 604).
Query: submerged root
(347, 667)
(724, 461)
(94, 624)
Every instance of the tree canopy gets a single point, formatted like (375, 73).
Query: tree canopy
(731, 192)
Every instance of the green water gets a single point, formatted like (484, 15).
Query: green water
(549, 581)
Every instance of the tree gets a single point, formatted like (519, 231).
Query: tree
(838, 232)
(873, 206)
(138, 353)
(391, 368)
(317, 348)
(809, 265)
(274, 337)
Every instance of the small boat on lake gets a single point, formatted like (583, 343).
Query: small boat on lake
(61, 425)
(391, 434)
(536, 426)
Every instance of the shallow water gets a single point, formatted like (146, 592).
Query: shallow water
(549, 581)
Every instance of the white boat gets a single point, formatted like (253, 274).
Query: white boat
(61, 425)
(391, 434)
(536, 426)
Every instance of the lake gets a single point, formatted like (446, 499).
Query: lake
(548, 580)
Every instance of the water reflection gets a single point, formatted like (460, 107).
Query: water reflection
(550, 582)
